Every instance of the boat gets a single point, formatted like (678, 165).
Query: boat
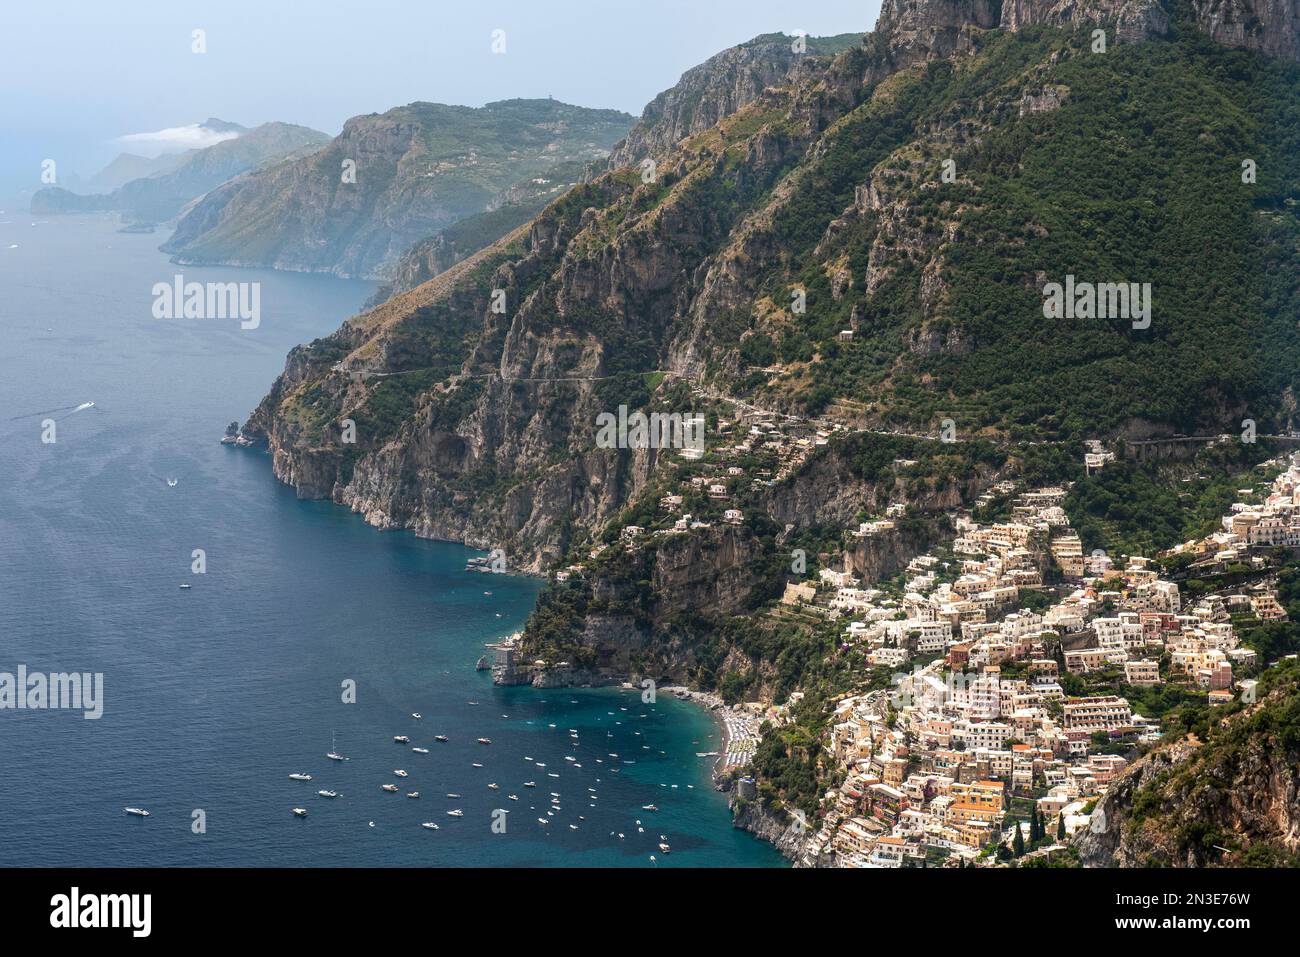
(171, 483)
(136, 811)
(400, 773)
(416, 715)
(333, 752)
(420, 750)
(299, 811)
(401, 739)
(453, 795)
(440, 737)
(484, 740)
(299, 776)
(429, 825)
(388, 787)
(494, 786)
(649, 807)
(665, 848)
(476, 764)
(327, 793)
(413, 794)
(530, 784)
(513, 797)
(456, 812)
(542, 820)
(185, 585)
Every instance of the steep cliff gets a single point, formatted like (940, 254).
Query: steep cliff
(475, 395)
(386, 182)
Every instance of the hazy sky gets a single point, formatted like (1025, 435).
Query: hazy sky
(78, 74)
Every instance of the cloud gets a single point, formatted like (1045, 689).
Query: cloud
(175, 139)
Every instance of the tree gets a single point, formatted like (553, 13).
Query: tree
(1018, 843)
(1060, 826)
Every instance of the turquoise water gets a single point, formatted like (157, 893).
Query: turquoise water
(213, 695)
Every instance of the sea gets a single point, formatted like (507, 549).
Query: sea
(306, 629)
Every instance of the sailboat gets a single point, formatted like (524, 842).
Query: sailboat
(333, 753)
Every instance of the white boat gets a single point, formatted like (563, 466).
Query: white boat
(136, 811)
(185, 585)
(299, 811)
(484, 740)
(400, 773)
(388, 787)
(513, 797)
(416, 715)
(413, 794)
(649, 807)
(456, 812)
(430, 825)
(453, 796)
(420, 750)
(327, 793)
(333, 753)
(299, 776)
(401, 739)
(440, 737)
(542, 820)
(665, 848)
(477, 765)
(530, 784)
(494, 786)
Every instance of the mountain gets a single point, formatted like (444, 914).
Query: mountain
(418, 169)
(128, 166)
(162, 195)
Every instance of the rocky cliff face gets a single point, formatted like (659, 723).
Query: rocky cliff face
(1271, 27)
(722, 85)
(388, 181)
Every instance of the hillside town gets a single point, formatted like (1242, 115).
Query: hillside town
(976, 750)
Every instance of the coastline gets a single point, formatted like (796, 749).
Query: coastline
(714, 706)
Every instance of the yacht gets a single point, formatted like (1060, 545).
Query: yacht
(530, 784)
(388, 787)
(327, 793)
(299, 776)
(416, 715)
(185, 585)
(477, 765)
(400, 773)
(484, 740)
(453, 795)
(665, 848)
(649, 807)
(494, 786)
(401, 739)
(136, 811)
(333, 753)
(420, 750)
(299, 811)
(440, 737)
(430, 825)
(513, 797)
(456, 812)
(413, 794)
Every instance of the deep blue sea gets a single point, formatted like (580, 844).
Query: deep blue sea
(214, 695)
